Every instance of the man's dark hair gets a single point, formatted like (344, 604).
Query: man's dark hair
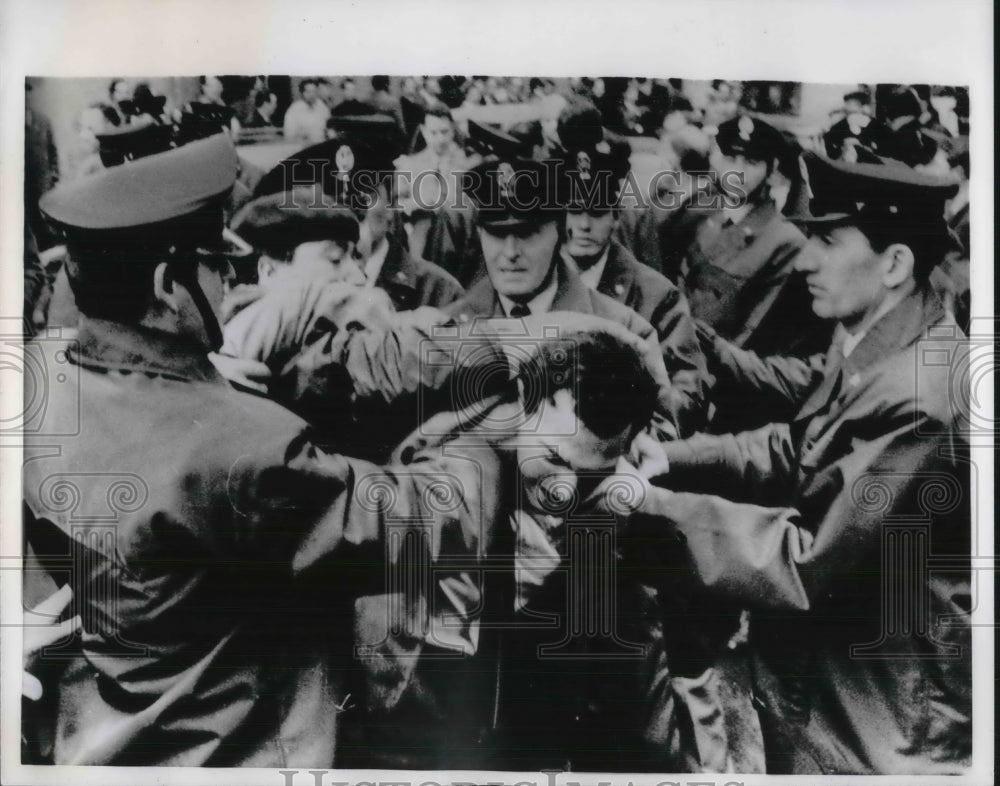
(611, 386)
(305, 83)
(929, 241)
(113, 284)
(380, 82)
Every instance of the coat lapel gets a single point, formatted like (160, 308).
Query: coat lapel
(619, 275)
(898, 329)
(571, 293)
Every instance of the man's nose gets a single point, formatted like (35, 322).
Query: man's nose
(511, 247)
(351, 271)
(806, 260)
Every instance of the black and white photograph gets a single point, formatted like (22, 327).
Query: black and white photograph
(514, 425)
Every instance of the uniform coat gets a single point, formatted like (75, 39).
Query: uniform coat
(738, 279)
(572, 294)
(655, 299)
(411, 281)
(213, 553)
(873, 468)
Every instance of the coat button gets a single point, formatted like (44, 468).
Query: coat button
(619, 289)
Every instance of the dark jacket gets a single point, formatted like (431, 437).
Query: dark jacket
(214, 554)
(872, 473)
(738, 278)
(411, 281)
(655, 299)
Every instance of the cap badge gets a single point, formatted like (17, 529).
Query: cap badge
(344, 159)
(583, 165)
(505, 178)
(746, 127)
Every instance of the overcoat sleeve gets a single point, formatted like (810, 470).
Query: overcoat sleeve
(794, 557)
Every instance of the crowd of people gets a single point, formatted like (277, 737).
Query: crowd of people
(455, 445)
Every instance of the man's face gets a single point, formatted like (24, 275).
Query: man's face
(738, 175)
(559, 458)
(843, 273)
(316, 260)
(518, 260)
(350, 91)
(438, 132)
(588, 234)
(309, 93)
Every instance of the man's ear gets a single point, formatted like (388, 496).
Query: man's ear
(163, 288)
(897, 265)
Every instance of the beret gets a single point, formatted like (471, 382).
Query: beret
(278, 223)
(160, 197)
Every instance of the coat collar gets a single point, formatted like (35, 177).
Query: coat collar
(619, 272)
(398, 269)
(893, 333)
(898, 329)
(112, 345)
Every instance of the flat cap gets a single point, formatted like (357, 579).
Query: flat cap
(878, 190)
(175, 195)
(513, 192)
(494, 142)
(348, 168)
(591, 180)
(753, 139)
(129, 142)
(277, 223)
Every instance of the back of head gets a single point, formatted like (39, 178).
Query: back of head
(610, 384)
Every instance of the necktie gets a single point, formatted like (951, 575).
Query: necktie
(520, 310)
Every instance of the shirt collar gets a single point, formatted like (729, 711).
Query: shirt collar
(112, 345)
(592, 275)
(851, 340)
(540, 303)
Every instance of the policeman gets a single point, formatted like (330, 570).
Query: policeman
(816, 513)
(355, 169)
(737, 272)
(208, 523)
(606, 266)
(519, 211)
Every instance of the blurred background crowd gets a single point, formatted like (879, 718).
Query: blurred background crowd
(72, 127)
